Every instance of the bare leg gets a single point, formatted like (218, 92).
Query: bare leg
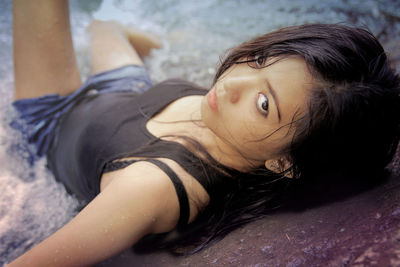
(114, 45)
(44, 58)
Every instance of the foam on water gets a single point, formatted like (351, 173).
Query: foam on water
(194, 34)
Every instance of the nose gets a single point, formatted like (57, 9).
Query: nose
(235, 87)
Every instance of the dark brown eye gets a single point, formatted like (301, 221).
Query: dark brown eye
(262, 104)
(259, 60)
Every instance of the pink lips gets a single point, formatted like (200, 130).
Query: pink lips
(212, 100)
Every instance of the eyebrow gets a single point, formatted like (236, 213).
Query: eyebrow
(273, 93)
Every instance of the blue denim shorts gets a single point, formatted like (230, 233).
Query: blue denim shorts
(39, 117)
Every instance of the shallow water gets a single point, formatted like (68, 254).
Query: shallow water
(194, 35)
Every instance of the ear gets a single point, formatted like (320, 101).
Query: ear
(279, 165)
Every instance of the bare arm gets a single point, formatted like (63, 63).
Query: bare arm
(128, 208)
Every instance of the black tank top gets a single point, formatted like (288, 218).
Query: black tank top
(105, 127)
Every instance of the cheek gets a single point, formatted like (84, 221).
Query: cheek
(265, 141)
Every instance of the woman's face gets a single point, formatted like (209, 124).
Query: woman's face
(250, 109)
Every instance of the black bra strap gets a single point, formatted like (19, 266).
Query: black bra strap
(180, 191)
(117, 165)
(179, 188)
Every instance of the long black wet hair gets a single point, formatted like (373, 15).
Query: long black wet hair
(349, 133)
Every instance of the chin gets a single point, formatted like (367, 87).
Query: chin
(203, 109)
(206, 113)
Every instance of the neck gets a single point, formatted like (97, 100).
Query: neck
(221, 150)
(225, 153)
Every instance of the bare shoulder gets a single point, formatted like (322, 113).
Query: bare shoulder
(162, 197)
